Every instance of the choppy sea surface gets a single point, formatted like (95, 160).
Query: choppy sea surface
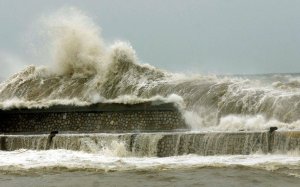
(75, 168)
(86, 70)
(180, 177)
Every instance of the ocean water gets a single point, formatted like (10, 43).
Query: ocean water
(86, 70)
(74, 168)
(227, 177)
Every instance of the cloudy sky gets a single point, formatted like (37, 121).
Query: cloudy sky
(205, 36)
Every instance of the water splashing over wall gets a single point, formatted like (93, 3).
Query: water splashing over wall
(86, 70)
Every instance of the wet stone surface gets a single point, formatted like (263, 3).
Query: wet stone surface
(159, 144)
(120, 121)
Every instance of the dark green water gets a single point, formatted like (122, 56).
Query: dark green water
(179, 177)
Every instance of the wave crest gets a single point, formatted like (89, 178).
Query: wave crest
(88, 71)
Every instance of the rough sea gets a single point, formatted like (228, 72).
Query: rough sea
(86, 70)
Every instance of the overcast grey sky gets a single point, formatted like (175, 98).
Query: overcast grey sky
(205, 36)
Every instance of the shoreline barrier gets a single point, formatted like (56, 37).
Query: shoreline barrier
(102, 117)
(161, 144)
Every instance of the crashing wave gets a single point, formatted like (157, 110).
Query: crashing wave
(86, 70)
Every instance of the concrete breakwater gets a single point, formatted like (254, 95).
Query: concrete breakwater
(101, 117)
(160, 144)
(145, 129)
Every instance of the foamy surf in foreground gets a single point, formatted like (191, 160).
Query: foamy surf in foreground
(86, 70)
(64, 160)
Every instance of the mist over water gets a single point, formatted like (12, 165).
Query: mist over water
(86, 70)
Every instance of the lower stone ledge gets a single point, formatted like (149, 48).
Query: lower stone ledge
(160, 144)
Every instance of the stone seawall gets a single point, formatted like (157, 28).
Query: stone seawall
(161, 144)
(94, 118)
(231, 143)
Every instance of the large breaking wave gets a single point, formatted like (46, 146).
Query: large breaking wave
(85, 70)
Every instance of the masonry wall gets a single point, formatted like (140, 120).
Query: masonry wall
(215, 143)
(162, 144)
(94, 118)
